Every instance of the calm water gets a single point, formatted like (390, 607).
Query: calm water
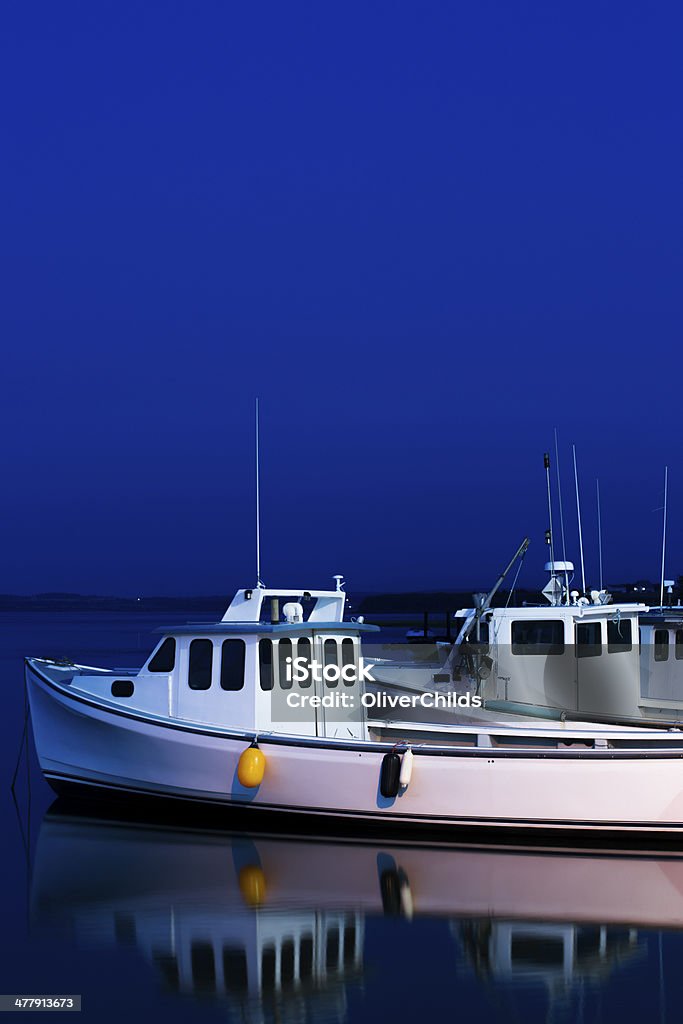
(147, 918)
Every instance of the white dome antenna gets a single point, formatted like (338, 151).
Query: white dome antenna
(293, 612)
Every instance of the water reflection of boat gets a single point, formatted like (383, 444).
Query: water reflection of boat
(197, 906)
(561, 957)
(277, 926)
(142, 861)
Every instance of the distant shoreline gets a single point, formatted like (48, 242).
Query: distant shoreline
(88, 602)
(358, 603)
(433, 602)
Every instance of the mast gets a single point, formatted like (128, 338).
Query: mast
(559, 498)
(549, 536)
(259, 581)
(578, 516)
(597, 488)
(666, 495)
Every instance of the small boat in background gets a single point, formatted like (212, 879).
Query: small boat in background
(575, 658)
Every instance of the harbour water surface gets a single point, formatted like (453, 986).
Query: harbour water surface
(169, 919)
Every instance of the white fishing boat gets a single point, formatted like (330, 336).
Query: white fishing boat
(576, 656)
(582, 658)
(209, 719)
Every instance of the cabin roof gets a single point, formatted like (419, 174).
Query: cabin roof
(572, 611)
(672, 616)
(280, 628)
(246, 605)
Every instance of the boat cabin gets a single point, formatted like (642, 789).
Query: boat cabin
(267, 665)
(661, 657)
(581, 658)
(577, 653)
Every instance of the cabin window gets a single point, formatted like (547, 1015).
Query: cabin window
(232, 664)
(268, 968)
(538, 636)
(679, 644)
(287, 962)
(284, 658)
(164, 659)
(201, 658)
(303, 650)
(332, 950)
(661, 645)
(203, 966)
(590, 942)
(533, 952)
(168, 965)
(306, 957)
(588, 639)
(619, 636)
(330, 658)
(122, 688)
(348, 658)
(265, 663)
(349, 944)
(235, 972)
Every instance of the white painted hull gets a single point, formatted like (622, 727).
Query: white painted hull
(638, 792)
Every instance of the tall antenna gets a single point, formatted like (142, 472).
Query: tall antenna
(259, 581)
(578, 516)
(666, 494)
(559, 498)
(549, 535)
(597, 490)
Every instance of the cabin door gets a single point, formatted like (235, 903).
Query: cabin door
(608, 666)
(601, 677)
(344, 715)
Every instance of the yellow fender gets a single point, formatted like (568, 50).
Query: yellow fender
(251, 766)
(252, 883)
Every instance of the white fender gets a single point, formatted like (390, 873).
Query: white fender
(406, 773)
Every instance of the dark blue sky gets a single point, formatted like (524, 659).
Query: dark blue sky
(424, 234)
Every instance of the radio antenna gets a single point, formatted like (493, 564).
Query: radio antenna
(666, 494)
(559, 498)
(578, 516)
(597, 491)
(549, 534)
(259, 581)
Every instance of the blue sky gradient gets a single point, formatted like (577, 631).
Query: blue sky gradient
(424, 234)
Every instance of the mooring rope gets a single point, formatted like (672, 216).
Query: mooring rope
(24, 740)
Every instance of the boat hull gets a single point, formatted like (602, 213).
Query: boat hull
(631, 793)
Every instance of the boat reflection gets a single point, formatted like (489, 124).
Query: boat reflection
(562, 957)
(276, 927)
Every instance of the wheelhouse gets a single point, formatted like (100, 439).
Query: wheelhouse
(267, 665)
(583, 658)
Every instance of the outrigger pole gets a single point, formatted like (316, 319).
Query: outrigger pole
(484, 604)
